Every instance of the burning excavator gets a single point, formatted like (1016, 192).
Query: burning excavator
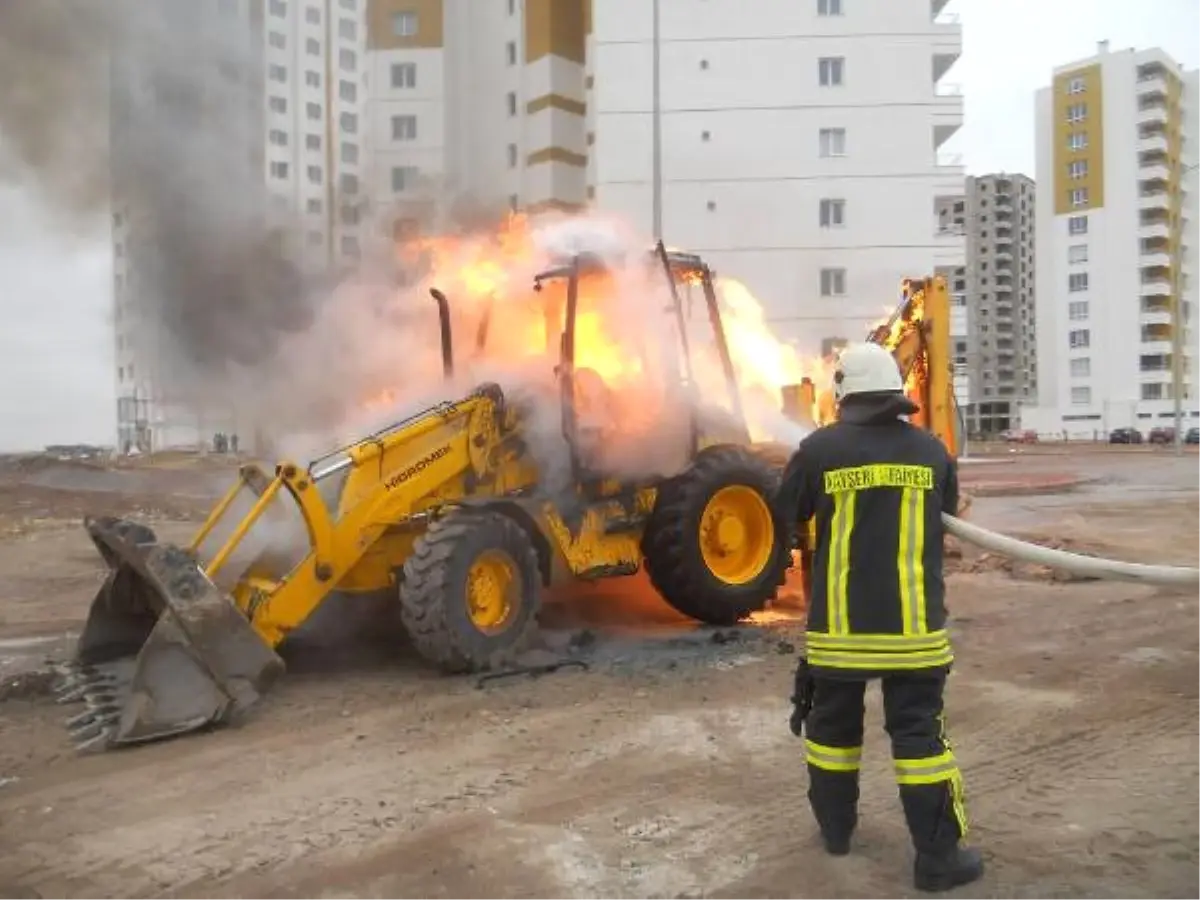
(456, 511)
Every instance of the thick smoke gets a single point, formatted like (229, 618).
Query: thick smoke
(158, 105)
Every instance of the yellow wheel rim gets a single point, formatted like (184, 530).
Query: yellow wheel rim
(737, 534)
(493, 586)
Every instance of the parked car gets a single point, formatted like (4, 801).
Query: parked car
(1192, 436)
(1162, 434)
(1020, 436)
(1125, 436)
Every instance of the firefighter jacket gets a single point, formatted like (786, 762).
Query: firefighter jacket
(877, 487)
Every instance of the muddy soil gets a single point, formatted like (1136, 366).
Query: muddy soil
(665, 769)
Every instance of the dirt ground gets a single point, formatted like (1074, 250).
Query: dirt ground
(666, 769)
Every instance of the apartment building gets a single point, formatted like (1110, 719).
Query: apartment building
(995, 351)
(800, 148)
(1116, 243)
(243, 108)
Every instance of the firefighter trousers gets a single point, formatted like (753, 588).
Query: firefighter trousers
(929, 781)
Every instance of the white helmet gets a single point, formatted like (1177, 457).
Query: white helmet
(864, 369)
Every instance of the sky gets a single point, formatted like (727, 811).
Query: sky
(56, 354)
(1010, 48)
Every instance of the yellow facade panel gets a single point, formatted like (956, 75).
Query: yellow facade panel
(555, 28)
(1080, 90)
(384, 16)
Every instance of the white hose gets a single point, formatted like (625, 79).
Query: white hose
(1076, 564)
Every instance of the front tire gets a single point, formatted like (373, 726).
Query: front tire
(715, 548)
(471, 590)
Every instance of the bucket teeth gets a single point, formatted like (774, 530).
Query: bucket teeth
(96, 714)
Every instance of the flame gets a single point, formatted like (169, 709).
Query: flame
(489, 277)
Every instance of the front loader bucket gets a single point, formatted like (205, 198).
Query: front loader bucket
(164, 651)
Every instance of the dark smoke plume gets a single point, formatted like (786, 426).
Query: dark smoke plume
(158, 103)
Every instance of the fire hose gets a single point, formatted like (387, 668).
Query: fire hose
(1075, 563)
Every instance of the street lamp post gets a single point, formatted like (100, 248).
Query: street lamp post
(1177, 327)
(656, 175)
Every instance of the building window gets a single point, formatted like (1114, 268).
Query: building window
(312, 15)
(833, 142)
(312, 79)
(350, 246)
(404, 24)
(1076, 112)
(1077, 140)
(279, 170)
(1081, 367)
(511, 101)
(1077, 281)
(277, 72)
(278, 8)
(1077, 310)
(1075, 86)
(276, 40)
(347, 60)
(314, 174)
(512, 156)
(313, 206)
(833, 282)
(404, 75)
(277, 104)
(348, 4)
(312, 142)
(829, 7)
(1077, 225)
(348, 183)
(510, 53)
(833, 213)
(277, 137)
(404, 178)
(349, 215)
(312, 110)
(1077, 168)
(349, 153)
(348, 122)
(1155, 390)
(347, 30)
(512, 7)
(404, 128)
(1077, 253)
(1078, 196)
(348, 91)
(315, 238)
(1081, 396)
(830, 70)
(312, 47)
(1079, 339)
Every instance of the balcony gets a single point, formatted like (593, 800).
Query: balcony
(1158, 201)
(1155, 346)
(1150, 177)
(1156, 284)
(1005, 288)
(1151, 115)
(1154, 231)
(1153, 146)
(1155, 259)
(947, 112)
(947, 43)
(1155, 317)
(1003, 256)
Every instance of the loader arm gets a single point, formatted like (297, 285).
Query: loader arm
(394, 480)
(179, 639)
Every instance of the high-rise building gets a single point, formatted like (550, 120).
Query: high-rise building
(800, 148)
(1116, 243)
(222, 114)
(996, 354)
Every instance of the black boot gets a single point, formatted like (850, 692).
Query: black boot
(936, 872)
(834, 800)
(836, 844)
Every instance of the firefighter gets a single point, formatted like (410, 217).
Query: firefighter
(877, 487)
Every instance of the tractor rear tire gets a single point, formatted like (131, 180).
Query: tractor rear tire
(718, 584)
(470, 593)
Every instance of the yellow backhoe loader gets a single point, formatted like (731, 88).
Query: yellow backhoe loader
(453, 510)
